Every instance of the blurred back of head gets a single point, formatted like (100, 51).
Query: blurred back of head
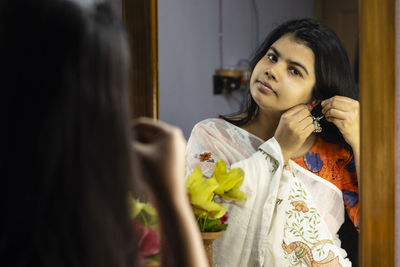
(64, 153)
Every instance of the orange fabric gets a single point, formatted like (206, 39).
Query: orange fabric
(337, 168)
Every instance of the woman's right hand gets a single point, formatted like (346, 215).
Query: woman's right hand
(160, 149)
(294, 127)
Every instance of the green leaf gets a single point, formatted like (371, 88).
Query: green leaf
(211, 225)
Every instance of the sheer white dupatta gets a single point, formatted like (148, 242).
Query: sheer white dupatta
(279, 225)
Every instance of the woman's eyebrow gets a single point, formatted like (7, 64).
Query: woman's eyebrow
(289, 61)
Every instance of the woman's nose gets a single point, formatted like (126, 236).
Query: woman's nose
(273, 72)
(270, 74)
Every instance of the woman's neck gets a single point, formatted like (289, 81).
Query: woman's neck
(264, 124)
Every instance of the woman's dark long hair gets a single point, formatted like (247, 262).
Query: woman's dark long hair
(332, 69)
(65, 162)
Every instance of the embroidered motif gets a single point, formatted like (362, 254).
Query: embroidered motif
(278, 201)
(303, 254)
(313, 161)
(309, 221)
(300, 206)
(274, 162)
(206, 156)
(302, 227)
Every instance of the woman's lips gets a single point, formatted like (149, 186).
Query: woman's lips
(265, 87)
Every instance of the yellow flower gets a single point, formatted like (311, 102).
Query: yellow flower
(137, 207)
(229, 182)
(202, 194)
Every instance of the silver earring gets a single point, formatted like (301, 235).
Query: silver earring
(316, 120)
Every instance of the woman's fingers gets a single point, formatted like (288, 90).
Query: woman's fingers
(148, 130)
(341, 107)
(335, 113)
(309, 129)
(337, 99)
(150, 135)
(305, 123)
(341, 103)
(294, 127)
(344, 113)
(160, 148)
(342, 126)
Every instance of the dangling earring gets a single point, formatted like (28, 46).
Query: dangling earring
(316, 120)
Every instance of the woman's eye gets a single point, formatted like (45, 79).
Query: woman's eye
(272, 58)
(294, 71)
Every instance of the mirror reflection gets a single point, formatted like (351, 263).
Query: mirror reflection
(272, 97)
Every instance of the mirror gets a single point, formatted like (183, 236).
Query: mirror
(377, 30)
(194, 40)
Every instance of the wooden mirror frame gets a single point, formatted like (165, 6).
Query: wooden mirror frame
(141, 21)
(378, 131)
(377, 25)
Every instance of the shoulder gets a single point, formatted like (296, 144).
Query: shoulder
(338, 151)
(219, 131)
(212, 122)
(211, 125)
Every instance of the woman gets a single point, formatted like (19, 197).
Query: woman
(297, 142)
(65, 158)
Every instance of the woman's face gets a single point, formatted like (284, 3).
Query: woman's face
(284, 77)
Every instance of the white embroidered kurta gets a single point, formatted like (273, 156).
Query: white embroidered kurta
(291, 215)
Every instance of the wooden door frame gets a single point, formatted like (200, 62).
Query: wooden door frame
(141, 21)
(378, 131)
(377, 25)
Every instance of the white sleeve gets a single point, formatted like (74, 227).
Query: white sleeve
(248, 224)
(244, 241)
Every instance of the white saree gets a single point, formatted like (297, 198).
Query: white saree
(291, 216)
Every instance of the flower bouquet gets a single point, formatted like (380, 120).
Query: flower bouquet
(206, 196)
(145, 227)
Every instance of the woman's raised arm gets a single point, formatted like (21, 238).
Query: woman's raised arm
(160, 149)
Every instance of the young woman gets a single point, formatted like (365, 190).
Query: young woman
(298, 144)
(65, 158)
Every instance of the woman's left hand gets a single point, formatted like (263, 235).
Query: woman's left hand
(344, 112)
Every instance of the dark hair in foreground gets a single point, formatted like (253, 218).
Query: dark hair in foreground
(64, 155)
(332, 68)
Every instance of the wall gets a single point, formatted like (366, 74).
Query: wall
(189, 51)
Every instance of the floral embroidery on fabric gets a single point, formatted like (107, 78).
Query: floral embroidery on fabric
(206, 156)
(300, 206)
(351, 198)
(274, 162)
(304, 255)
(302, 228)
(313, 161)
(311, 217)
